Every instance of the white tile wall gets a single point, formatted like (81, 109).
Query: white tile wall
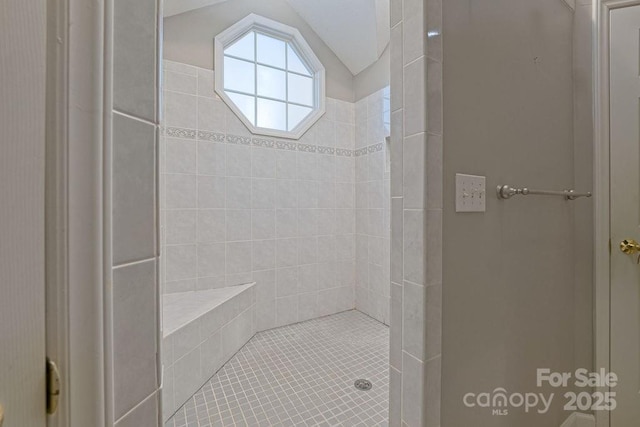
(239, 207)
(373, 203)
(412, 390)
(134, 154)
(307, 227)
(134, 58)
(200, 337)
(145, 414)
(134, 295)
(135, 344)
(416, 212)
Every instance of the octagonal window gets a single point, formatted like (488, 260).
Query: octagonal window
(269, 76)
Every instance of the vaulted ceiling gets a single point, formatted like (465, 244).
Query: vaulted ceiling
(176, 7)
(357, 31)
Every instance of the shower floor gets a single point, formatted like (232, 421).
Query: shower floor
(300, 375)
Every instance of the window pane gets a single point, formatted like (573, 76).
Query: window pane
(294, 63)
(272, 83)
(239, 75)
(243, 48)
(271, 51)
(272, 114)
(246, 104)
(296, 115)
(300, 89)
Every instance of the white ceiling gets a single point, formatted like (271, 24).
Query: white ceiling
(357, 31)
(175, 7)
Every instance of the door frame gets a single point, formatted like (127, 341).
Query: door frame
(74, 204)
(603, 244)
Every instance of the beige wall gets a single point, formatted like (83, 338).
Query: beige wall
(188, 38)
(510, 301)
(583, 172)
(373, 78)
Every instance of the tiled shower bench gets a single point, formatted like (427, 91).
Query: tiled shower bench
(201, 331)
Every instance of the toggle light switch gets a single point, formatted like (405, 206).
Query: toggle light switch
(471, 193)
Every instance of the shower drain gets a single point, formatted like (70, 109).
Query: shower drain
(363, 384)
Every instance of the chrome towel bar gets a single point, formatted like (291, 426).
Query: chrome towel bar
(507, 192)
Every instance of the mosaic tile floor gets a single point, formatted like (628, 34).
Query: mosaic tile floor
(300, 375)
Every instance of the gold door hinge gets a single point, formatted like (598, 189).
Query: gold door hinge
(53, 387)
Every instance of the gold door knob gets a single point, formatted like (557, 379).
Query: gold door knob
(629, 246)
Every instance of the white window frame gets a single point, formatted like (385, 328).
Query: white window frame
(283, 32)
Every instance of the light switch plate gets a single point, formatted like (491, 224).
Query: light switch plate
(470, 193)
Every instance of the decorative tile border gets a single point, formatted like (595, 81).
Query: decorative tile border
(262, 142)
(374, 148)
(360, 152)
(286, 145)
(344, 152)
(204, 135)
(235, 139)
(307, 148)
(180, 133)
(326, 150)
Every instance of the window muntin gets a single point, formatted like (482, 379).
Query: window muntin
(269, 70)
(269, 77)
